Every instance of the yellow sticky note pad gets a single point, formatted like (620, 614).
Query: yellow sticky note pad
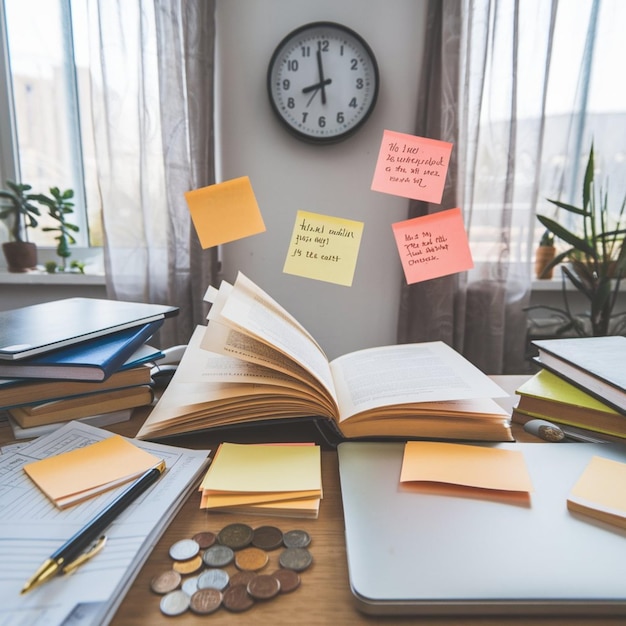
(466, 465)
(225, 212)
(412, 167)
(433, 245)
(72, 476)
(324, 248)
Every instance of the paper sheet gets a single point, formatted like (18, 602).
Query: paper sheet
(31, 528)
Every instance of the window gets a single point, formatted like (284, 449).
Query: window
(48, 140)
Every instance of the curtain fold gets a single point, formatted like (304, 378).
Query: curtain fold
(152, 67)
(475, 64)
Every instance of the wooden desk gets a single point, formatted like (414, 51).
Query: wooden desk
(324, 596)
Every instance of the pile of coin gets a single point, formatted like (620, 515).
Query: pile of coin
(225, 569)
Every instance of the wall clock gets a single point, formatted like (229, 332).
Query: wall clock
(323, 82)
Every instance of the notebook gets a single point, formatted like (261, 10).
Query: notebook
(419, 554)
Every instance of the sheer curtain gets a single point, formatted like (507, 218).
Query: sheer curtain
(476, 67)
(152, 67)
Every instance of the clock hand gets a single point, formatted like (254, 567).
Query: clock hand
(321, 73)
(316, 86)
(315, 89)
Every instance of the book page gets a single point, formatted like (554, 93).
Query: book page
(406, 373)
(250, 311)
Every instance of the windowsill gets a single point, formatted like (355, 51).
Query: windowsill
(41, 277)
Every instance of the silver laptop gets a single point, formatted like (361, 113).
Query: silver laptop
(425, 554)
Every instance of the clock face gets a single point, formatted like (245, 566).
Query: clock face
(323, 82)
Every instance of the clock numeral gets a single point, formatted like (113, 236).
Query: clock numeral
(292, 65)
(353, 103)
(286, 84)
(321, 122)
(323, 45)
(359, 83)
(306, 51)
(354, 64)
(340, 117)
(291, 103)
(304, 116)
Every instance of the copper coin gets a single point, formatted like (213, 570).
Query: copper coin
(213, 579)
(174, 603)
(188, 567)
(263, 587)
(252, 559)
(297, 559)
(237, 599)
(235, 536)
(165, 582)
(296, 539)
(289, 579)
(184, 550)
(205, 601)
(241, 578)
(205, 539)
(218, 556)
(267, 537)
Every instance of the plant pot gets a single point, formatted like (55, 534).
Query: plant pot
(543, 256)
(21, 256)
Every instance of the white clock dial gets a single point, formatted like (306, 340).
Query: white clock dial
(323, 82)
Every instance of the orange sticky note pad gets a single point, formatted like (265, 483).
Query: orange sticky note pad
(73, 476)
(412, 167)
(225, 212)
(433, 245)
(466, 465)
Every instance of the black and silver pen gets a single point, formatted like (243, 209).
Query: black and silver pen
(73, 552)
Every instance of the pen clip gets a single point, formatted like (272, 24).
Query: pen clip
(85, 556)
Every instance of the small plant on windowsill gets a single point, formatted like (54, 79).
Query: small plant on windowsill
(596, 261)
(59, 204)
(544, 255)
(17, 206)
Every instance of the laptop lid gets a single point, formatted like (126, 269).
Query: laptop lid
(426, 554)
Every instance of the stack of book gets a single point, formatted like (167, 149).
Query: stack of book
(78, 358)
(581, 384)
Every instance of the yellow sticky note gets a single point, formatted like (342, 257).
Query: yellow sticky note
(72, 476)
(225, 212)
(433, 245)
(466, 465)
(323, 247)
(241, 468)
(412, 167)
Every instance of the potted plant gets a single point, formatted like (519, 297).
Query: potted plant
(60, 205)
(17, 204)
(544, 255)
(596, 259)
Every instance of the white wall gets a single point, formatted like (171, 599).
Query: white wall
(288, 175)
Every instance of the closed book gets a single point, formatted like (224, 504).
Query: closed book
(550, 397)
(40, 328)
(15, 392)
(594, 364)
(83, 406)
(93, 360)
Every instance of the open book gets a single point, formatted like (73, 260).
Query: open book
(253, 362)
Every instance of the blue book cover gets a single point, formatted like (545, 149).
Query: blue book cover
(93, 360)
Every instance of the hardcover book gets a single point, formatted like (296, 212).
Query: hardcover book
(594, 364)
(93, 360)
(254, 362)
(39, 328)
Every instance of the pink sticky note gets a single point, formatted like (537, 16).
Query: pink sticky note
(433, 245)
(412, 167)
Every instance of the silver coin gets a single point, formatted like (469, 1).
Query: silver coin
(174, 603)
(213, 579)
(218, 556)
(184, 550)
(297, 559)
(296, 539)
(190, 585)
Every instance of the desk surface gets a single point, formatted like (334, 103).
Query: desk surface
(324, 596)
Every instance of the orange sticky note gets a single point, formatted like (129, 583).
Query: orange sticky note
(433, 245)
(323, 247)
(466, 465)
(225, 212)
(412, 167)
(73, 476)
